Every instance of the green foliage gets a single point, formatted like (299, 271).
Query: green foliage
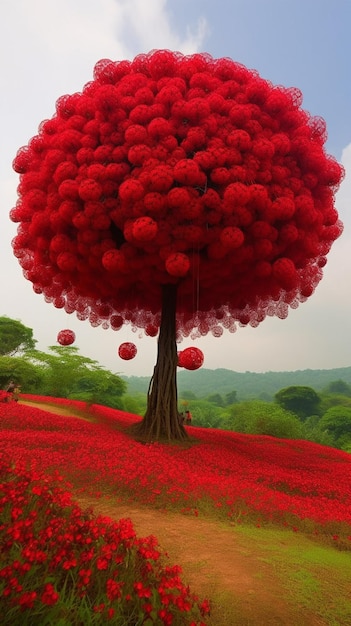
(320, 436)
(24, 373)
(188, 395)
(218, 400)
(66, 374)
(14, 337)
(205, 413)
(313, 432)
(135, 404)
(215, 398)
(231, 397)
(333, 399)
(98, 386)
(301, 400)
(337, 421)
(264, 418)
(339, 387)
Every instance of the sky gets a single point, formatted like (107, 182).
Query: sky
(48, 48)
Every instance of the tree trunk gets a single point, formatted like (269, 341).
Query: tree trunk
(162, 420)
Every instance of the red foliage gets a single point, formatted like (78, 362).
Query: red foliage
(177, 169)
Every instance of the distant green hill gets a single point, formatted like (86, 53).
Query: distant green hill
(204, 382)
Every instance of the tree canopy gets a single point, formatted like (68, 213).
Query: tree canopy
(15, 337)
(67, 374)
(337, 421)
(176, 170)
(21, 371)
(303, 401)
(264, 418)
(339, 387)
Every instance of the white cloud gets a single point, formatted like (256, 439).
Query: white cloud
(67, 33)
(49, 48)
(151, 25)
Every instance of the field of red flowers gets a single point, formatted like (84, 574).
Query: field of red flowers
(295, 483)
(70, 566)
(63, 565)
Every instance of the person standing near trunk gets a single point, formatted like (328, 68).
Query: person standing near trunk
(16, 392)
(10, 390)
(188, 418)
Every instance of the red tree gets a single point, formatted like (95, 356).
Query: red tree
(179, 193)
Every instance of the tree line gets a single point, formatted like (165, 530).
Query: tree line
(295, 412)
(248, 385)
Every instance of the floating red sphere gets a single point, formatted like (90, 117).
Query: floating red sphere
(190, 358)
(127, 351)
(66, 337)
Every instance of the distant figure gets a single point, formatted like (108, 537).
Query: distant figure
(16, 392)
(13, 389)
(181, 418)
(188, 417)
(10, 390)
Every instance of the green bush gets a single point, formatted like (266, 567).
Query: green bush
(264, 418)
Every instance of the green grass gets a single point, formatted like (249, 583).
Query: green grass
(315, 578)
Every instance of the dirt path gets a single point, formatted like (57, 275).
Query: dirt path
(217, 562)
(57, 410)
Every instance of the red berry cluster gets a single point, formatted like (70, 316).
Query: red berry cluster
(176, 169)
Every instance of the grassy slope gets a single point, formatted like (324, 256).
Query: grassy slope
(316, 579)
